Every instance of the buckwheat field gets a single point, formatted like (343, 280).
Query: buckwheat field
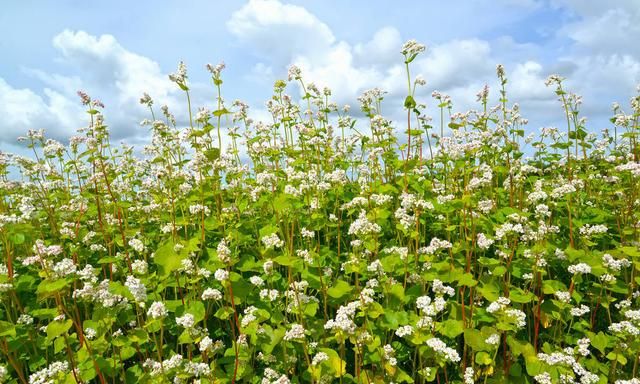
(325, 246)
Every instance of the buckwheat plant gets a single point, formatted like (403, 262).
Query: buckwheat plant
(317, 248)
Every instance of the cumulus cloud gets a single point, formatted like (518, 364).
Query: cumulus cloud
(593, 47)
(280, 31)
(22, 109)
(596, 67)
(104, 69)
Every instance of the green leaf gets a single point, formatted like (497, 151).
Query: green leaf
(7, 329)
(409, 102)
(212, 154)
(337, 366)
(474, 339)
(48, 288)
(599, 341)
(17, 238)
(517, 295)
(339, 289)
(467, 280)
(167, 259)
(57, 328)
(483, 358)
(223, 313)
(451, 328)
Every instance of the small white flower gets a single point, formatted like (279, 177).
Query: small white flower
(579, 269)
(90, 333)
(295, 333)
(186, 321)
(403, 331)
(493, 339)
(157, 310)
(319, 358)
(211, 294)
(221, 275)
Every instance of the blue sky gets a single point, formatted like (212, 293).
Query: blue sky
(116, 50)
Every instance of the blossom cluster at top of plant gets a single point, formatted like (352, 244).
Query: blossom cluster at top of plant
(325, 246)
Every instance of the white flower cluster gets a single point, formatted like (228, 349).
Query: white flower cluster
(440, 289)
(49, 374)
(412, 48)
(296, 333)
(197, 369)
(211, 294)
(157, 310)
(196, 209)
(630, 381)
(428, 307)
(566, 358)
(468, 376)
(269, 294)
(579, 311)
(318, 358)
(223, 251)
(486, 178)
(362, 226)
(543, 378)
(408, 204)
(583, 346)
(563, 296)
(140, 267)
(405, 330)
(249, 316)
(483, 242)
(272, 241)
(186, 321)
(273, 377)
(379, 199)
(613, 264)
(344, 318)
(494, 339)
(485, 206)
(449, 354)
(579, 269)
(221, 275)
(402, 252)
(137, 289)
(499, 304)
(625, 327)
(4, 374)
(562, 190)
(588, 230)
(376, 267)
(65, 267)
(435, 245)
(100, 294)
(306, 234)
(137, 245)
(158, 368)
(389, 355)
(633, 167)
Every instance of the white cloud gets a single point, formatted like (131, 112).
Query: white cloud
(280, 31)
(107, 66)
(611, 31)
(596, 43)
(22, 109)
(382, 50)
(104, 69)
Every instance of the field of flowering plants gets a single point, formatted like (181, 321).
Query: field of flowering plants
(324, 247)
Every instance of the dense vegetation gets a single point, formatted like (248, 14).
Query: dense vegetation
(322, 248)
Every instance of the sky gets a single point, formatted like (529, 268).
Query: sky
(119, 49)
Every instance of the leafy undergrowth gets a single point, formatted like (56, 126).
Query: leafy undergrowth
(316, 248)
